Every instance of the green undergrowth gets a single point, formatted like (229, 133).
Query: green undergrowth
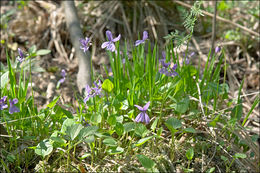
(194, 126)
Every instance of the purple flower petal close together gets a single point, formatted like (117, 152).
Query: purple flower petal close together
(13, 108)
(145, 37)
(3, 105)
(217, 49)
(63, 74)
(92, 92)
(109, 45)
(142, 116)
(165, 67)
(85, 43)
(20, 58)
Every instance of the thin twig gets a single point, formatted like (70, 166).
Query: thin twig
(213, 28)
(200, 101)
(220, 19)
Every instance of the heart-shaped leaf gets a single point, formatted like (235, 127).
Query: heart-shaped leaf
(107, 85)
(67, 123)
(145, 161)
(74, 130)
(87, 131)
(44, 148)
(173, 124)
(110, 142)
(116, 150)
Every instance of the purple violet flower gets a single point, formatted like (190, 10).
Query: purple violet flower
(143, 117)
(164, 69)
(3, 105)
(13, 108)
(173, 72)
(92, 92)
(88, 93)
(85, 44)
(20, 58)
(145, 37)
(63, 74)
(217, 49)
(165, 65)
(109, 45)
(98, 88)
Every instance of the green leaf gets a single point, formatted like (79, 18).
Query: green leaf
(87, 131)
(95, 118)
(189, 130)
(224, 158)
(130, 126)
(11, 158)
(240, 155)
(4, 79)
(141, 130)
(116, 150)
(53, 102)
(153, 126)
(73, 131)
(182, 106)
(112, 120)
(110, 142)
(143, 140)
(188, 170)
(172, 124)
(44, 148)
(124, 105)
(214, 122)
(32, 49)
(107, 85)
(66, 124)
(190, 153)
(145, 161)
(119, 128)
(211, 170)
(58, 141)
(43, 52)
(159, 132)
(89, 139)
(237, 111)
(119, 119)
(85, 156)
(67, 113)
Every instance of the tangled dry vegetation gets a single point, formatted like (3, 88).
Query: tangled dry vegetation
(43, 23)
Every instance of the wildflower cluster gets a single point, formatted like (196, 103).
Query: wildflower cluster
(166, 69)
(93, 91)
(110, 44)
(12, 108)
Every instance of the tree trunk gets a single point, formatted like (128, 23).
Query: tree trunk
(73, 25)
